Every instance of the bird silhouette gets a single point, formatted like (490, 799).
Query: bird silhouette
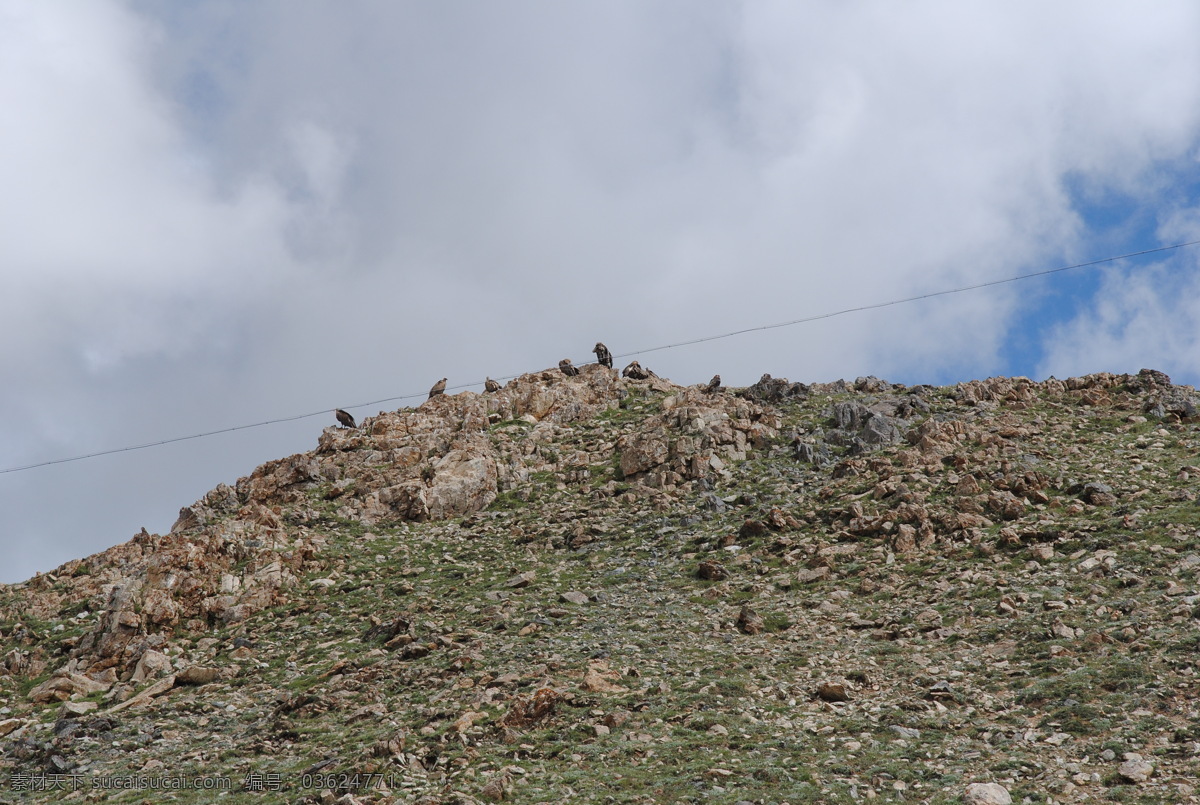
(603, 356)
(634, 371)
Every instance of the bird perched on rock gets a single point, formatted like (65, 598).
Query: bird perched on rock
(491, 385)
(567, 368)
(438, 388)
(344, 418)
(634, 371)
(603, 356)
(714, 385)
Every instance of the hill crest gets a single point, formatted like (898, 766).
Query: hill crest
(770, 509)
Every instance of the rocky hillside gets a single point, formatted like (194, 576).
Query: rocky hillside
(595, 589)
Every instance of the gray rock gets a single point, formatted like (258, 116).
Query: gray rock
(806, 575)
(1136, 769)
(880, 430)
(775, 389)
(816, 455)
(1098, 494)
(1172, 402)
(987, 794)
(850, 416)
(871, 383)
(865, 426)
(521, 579)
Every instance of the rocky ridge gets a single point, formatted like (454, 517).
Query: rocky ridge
(788, 592)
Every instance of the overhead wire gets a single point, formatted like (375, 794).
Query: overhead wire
(917, 298)
(690, 342)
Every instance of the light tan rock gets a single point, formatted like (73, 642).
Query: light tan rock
(467, 720)
(143, 696)
(1042, 551)
(1136, 769)
(521, 579)
(10, 725)
(63, 686)
(641, 452)
(832, 692)
(986, 794)
(159, 607)
(462, 483)
(806, 575)
(197, 675)
(152, 663)
(78, 708)
(496, 789)
(599, 679)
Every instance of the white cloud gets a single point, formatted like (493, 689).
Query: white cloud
(1145, 316)
(218, 213)
(114, 238)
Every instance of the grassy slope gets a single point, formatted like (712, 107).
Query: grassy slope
(1091, 660)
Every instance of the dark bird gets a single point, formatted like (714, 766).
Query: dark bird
(491, 385)
(567, 368)
(438, 388)
(714, 385)
(344, 418)
(603, 356)
(634, 371)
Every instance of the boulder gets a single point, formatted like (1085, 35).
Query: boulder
(463, 483)
(1136, 769)
(63, 685)
(987, 794)
(197, 675)
(864, 425)
(152, 663)
(775, 390)
(641, 452)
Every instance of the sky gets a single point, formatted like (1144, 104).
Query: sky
(218, 214)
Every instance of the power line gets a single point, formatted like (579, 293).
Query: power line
(930, 295)
(700, 340)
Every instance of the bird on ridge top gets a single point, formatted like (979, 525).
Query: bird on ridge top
(714, 385)
(567, 368)
(603, 356)
(491, 385)
(344, 418)
(438, 388)
(634, 371)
